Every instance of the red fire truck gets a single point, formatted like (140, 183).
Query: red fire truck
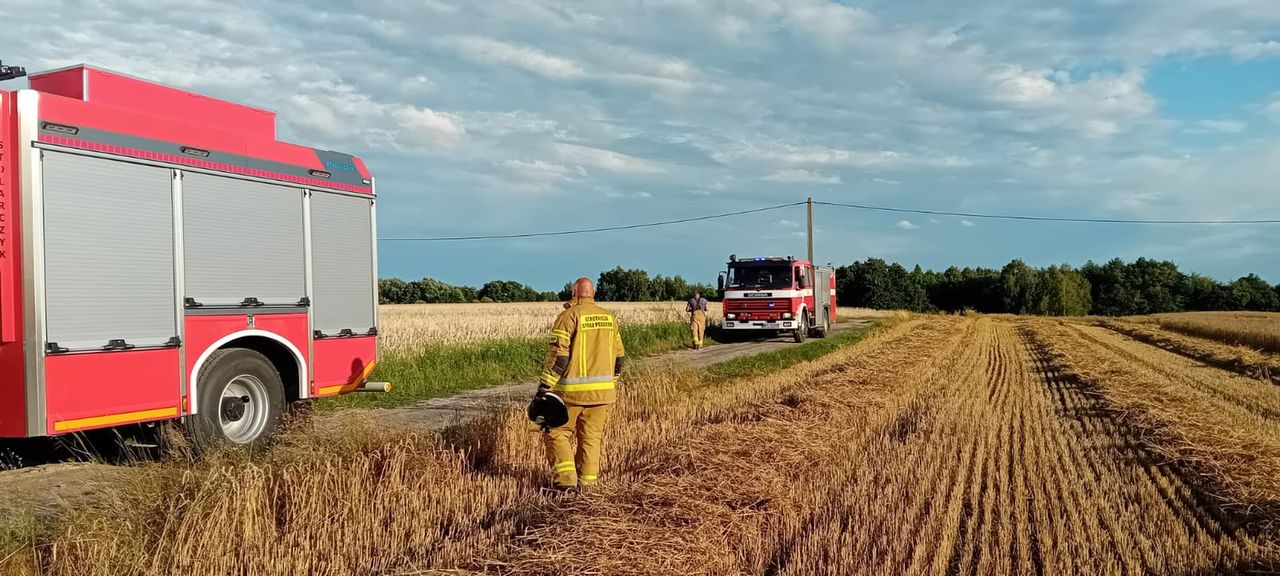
(777, 294)
(163, 256)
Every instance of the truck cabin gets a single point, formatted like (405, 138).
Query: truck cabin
(772, 273)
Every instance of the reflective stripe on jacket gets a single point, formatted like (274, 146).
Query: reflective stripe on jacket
(581, 362)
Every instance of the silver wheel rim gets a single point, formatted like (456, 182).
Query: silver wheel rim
(251, 393)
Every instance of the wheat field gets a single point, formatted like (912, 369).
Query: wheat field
(405, 327)
(1256, 330)
(940, 445)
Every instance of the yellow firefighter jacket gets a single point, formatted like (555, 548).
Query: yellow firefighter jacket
(586, 354)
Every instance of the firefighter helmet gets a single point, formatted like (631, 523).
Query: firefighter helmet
(548, 411)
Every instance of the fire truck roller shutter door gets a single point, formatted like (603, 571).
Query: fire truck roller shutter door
(242, 240)
(341, 261)
(108, 252)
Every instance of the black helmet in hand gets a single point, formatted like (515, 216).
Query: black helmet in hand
(548, 411)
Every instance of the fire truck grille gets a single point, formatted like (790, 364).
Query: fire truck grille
(761, 305)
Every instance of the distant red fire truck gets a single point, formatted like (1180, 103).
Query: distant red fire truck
(779, 295)
(163, 256)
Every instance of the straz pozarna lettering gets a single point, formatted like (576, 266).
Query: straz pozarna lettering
(597, 322)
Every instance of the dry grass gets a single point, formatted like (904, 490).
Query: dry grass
(1257, 330)
(944, 445)
(405, 327)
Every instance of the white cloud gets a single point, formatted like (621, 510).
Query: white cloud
(490, 51)
(830, 25)
(616, 195)
(967, 224)
(801, 176)
(789, 223)
(906, 225)
(1018, 86)
(1215, 126)
(1272, 107)
(885, 181)
(426, 125)
(1097, 128)
(1256, 50)
(538, 171)
(606, 159)
(342, 113)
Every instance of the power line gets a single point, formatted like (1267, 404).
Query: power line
(1037, 218)
(587, 230)
(868, 207)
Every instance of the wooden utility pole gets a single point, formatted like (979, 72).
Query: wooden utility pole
(810, 206)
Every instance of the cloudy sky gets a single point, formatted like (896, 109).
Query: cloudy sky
(508, 116)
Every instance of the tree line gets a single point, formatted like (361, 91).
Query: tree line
(616, 285)
(1116, 288)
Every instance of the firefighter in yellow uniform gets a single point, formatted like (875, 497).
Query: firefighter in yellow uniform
(582, 367)
(697, 309)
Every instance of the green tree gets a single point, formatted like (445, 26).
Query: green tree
(667, 288)
(1113, 295)
(508, 291)
(620, 285)
(432, 291)
(865, 285)
(1061, 291)
(1018, 286)
(394, 291)
(877, 284)
(1253, 293)
(1159, 285)
(1203, 293)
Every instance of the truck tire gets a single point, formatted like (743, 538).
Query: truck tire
(241, 401)
(823, 328)
(803, 331)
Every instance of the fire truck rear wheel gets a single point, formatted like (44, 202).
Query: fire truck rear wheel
(241, 401)
(820, 331)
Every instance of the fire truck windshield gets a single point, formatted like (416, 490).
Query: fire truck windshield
(773, 277)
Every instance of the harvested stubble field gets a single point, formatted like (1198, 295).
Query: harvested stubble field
(941, 445)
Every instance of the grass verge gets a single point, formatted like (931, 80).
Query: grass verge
(439, 370)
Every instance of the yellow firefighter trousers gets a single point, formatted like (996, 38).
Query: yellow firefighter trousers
(583, 467)
(698, 323)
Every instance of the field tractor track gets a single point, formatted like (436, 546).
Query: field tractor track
(1151, 487)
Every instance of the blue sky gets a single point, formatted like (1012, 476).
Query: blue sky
(527, 115)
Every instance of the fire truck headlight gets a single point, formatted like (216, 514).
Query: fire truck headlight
(786, 315)
(731, 316)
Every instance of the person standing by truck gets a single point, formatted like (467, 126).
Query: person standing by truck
(697, 310)
(582, 367)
